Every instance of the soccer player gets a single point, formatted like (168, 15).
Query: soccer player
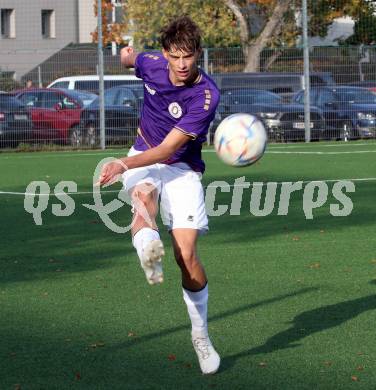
(165, 162)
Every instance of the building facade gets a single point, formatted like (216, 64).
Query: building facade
(34, 30)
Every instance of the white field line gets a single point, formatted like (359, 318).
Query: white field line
(309, 152)
(289, 146)
(105, 153)
(312, 152)
(62, 154)
(363, 179)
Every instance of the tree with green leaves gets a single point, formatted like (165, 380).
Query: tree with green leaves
(145, 18)
(365, 25)
(279, 22)
(252, 24)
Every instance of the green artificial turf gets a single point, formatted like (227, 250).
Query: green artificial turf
(292, 300)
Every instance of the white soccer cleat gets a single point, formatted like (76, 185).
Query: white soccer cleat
(151, 261)
(207, 356)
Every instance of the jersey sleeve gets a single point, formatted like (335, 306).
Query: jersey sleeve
(144, 64)
(201, 112)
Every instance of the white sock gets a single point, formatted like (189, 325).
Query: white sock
(143, 237)
(197, 305)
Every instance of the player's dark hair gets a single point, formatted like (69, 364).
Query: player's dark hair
(181, 34)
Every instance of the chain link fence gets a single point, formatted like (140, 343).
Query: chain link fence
(342, 95)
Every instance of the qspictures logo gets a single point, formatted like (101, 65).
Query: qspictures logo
(258, 198)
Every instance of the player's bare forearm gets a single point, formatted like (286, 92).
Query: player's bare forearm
(174, 141)
(128, 57)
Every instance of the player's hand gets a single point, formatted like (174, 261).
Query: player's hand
(111, 172)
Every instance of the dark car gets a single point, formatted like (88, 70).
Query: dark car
(282, 83)
(283, 121)
(350, 112)
(371, 85)
(122, 110)
(15, 121)
(55, 112)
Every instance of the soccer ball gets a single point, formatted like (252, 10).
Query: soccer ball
(240, 140)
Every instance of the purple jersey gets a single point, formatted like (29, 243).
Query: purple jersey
(188, 108)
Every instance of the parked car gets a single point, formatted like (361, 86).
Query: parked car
(283, 121)
(349, 112)
(122, 110)
(91, 82)
(15, 121)
(371, 85)
(55, 112)
(286, 84)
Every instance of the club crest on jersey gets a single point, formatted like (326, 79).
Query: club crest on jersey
(150, 90)
(175, 110)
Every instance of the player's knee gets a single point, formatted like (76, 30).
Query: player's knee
(145, 198)
(145, 201)
(187, 258)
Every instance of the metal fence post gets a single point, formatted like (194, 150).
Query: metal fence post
(101, 80)
(307, 104)
(40, 83)
(206, 60)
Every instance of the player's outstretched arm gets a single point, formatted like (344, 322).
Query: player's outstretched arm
(174, 141)
(128, 56)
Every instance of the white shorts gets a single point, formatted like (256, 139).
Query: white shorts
(182, 200)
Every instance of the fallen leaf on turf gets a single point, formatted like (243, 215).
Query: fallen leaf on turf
(354, 378)
(77, 376)
(360, 368)
(171, 357)
(322, 231)
(295, 238)
(131, 334)
(97, 345)
(262, 364)
(315, 266)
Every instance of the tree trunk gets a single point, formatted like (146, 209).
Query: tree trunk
(243, 24)
(272, 27)
(270, 61)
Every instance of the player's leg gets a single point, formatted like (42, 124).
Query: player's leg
(183, 206)
(143, 186)
(145, 233)
(195, 294)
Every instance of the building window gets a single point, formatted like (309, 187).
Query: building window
(48, 23)
(8, 23)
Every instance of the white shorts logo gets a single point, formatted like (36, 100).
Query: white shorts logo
(175, 110)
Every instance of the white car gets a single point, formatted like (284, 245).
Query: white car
(91, 82)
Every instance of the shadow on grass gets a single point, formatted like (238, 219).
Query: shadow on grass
(240, 228)
(308, 323)
(53, 362)
(84, 243)
(218, 317)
